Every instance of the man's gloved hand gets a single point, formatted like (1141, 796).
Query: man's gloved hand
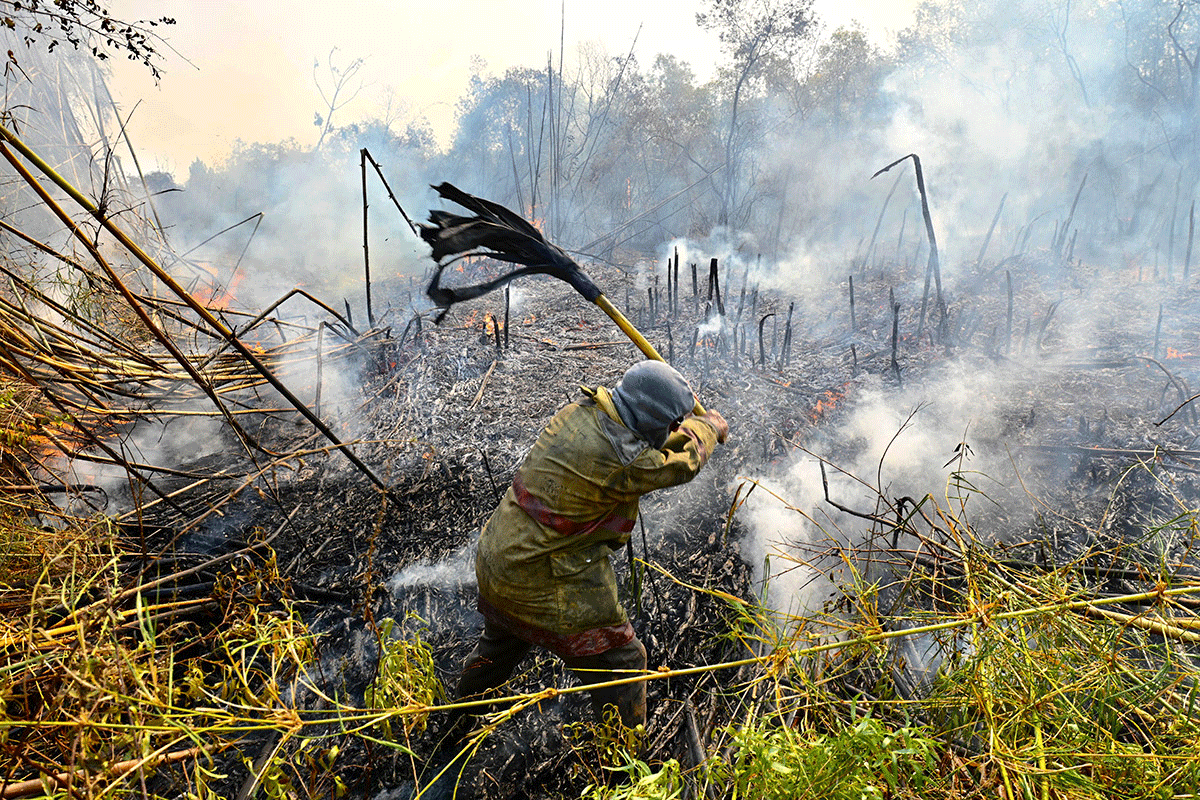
(718, 424)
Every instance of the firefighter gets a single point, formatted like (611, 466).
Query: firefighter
(543, 560)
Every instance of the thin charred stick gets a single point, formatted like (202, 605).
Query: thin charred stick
(191, 301)
(853, 360)
(366, 244)
(670, 345)
(320, 362)
(785, 352)
(496, 331)
(762, 352)
(991, 229)
(934, 267)
(1046, 323)
(853, 320)
(415, 325)
(879, 222)
(695, 288)
(487, 466)
(1158, 330)
(1171, 232)
(1023, 238)
(695, 339)
(1180, 387)
(1187, 260)
(349, 313)
(1062, 236)
(391, 195)
(507, 307)
(1008, 336)
(114, 456)
(669, 293)
(649, 305)
(845, 509)
(895, 338)
(247, 441)
(675, 307)
(742, 296)
(714, 285)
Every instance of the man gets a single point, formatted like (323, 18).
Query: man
(543, 561)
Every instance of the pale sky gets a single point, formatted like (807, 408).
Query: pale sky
(244, 70)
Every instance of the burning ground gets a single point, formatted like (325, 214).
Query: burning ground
(889, 467)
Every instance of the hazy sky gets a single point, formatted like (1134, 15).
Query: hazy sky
(245, 70)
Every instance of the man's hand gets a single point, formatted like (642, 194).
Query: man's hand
(718, 424)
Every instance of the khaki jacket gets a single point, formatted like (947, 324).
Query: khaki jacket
(543, 565)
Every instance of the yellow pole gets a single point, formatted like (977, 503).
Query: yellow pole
(636, 337)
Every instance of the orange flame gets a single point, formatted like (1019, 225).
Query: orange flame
(1173, 353)
(826, 403)
(210, 297)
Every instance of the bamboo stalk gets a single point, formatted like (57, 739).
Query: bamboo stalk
(934, 267)
(179, 291)
(1187, 260)
(245, 438)
(63, 780)
(895, 339)
(366, 241)
(762, 352)
(853, 320)
(785, 352)
(675, 306)
(991, 229)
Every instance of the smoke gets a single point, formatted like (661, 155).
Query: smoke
(453, 572)
(949, 436)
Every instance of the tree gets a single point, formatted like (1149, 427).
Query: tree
(753, 32)
(341, 82)
(83, 23)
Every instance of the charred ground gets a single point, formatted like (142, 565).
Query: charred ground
(446, 413)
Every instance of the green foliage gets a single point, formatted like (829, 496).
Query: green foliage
(769, 761)
(863, 760)
(637, 780)
(406, 679)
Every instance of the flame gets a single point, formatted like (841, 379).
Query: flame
(536, 221)
(532, 318)
(211, 298)
(1173, 353)
(826, 403)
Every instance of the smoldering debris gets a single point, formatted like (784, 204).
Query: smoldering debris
(1028, 401)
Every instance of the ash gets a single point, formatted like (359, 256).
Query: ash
(1066, 411)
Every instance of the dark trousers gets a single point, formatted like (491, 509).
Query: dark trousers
(498, 653)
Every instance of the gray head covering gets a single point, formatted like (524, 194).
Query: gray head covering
(650, 398)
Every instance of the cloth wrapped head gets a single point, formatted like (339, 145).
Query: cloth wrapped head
(652, 398)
